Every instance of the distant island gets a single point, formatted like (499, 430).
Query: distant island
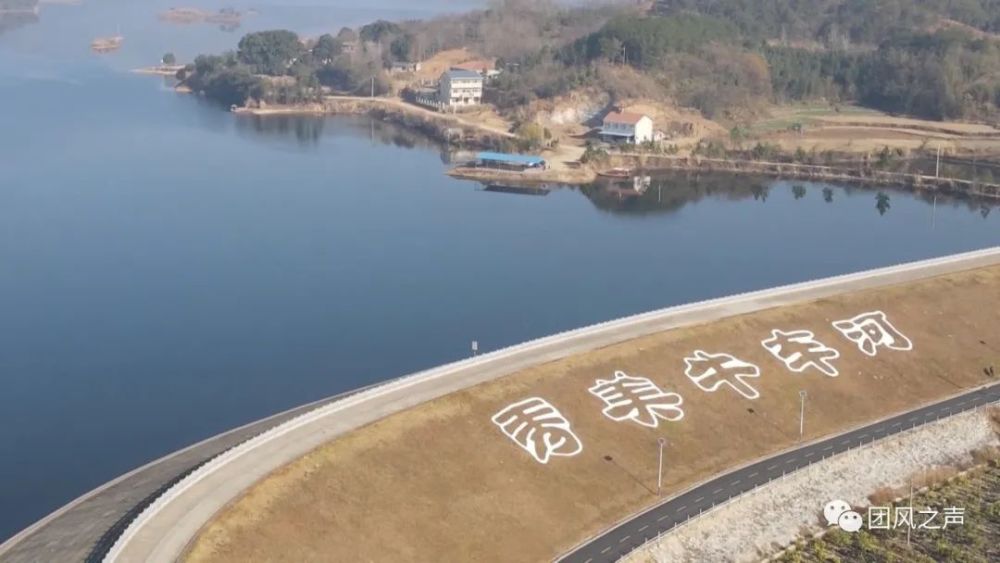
(17, 13)
(227, 18)
(12, 6)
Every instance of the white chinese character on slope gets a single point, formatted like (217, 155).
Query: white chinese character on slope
(799, 350)
(953, 516)
(711, 371)
(539, 428)
(637, 399)
(904, 517)
(871, 331)
(878, 517)
(931, 514)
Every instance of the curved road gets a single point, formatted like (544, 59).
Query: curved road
(615, 543)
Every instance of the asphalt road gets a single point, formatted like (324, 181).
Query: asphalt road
(620, 540)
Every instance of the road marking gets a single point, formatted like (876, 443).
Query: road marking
(810, 454)
(681, 509)
(662, 518)
(644, 527)
(792, 460)
(736, 482)
(623, 539)
(752, 475)
(606, 549)
(845, 442)
(716, 491)
(588, 561)
(828, 448)
(775, 466)
(699, 499)
(894, 424)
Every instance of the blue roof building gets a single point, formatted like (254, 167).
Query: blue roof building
(509, 161)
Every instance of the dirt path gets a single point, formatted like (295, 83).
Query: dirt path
(399, 104)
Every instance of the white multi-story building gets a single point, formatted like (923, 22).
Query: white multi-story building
(628, 127)
(459, 88)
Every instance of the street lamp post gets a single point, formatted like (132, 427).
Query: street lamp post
(659, 476)
(802, 413)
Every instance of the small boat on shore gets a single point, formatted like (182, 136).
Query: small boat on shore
(511, 189)
(616, 173)
(107, 44)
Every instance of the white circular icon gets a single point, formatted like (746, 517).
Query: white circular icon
(850, 521)
(833, 510)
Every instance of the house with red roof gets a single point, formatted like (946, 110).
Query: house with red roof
(626, 127)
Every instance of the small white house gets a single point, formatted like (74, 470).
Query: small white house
(459, 88)
(627, 127)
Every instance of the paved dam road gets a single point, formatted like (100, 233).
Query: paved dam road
(84, 529)
(623, 538)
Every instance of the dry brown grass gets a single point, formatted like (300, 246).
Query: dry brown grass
(439, 482)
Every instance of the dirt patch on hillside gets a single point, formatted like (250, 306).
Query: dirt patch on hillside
(440, 482)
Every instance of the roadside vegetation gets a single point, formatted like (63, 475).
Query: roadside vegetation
(976, 539)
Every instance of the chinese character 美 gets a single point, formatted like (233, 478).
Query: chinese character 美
(800, 350)
(539, 428)
(878, 517)
(953, 516)
(637, 399)
(870, 331)
(931, 515)
(904, 517)
(711, 371)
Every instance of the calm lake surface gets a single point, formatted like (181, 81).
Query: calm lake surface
(169, 271)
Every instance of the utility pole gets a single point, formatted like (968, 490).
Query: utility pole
(937, 168)
(908, 528)
(659, 477)
(802, 413)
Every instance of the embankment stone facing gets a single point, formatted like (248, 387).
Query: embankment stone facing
(754, 525)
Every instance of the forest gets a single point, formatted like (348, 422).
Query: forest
(937, 59)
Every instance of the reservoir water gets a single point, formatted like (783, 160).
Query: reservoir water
(169, 270)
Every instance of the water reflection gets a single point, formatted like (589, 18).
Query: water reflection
(670, 192)
(308, 131)
(12, 20)
(660, 194)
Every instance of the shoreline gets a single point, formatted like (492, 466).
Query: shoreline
(159, 70)
(447, 128)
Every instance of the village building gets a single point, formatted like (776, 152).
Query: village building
(626, 127)
(485, 68)
(460, 88)
(404, 66)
